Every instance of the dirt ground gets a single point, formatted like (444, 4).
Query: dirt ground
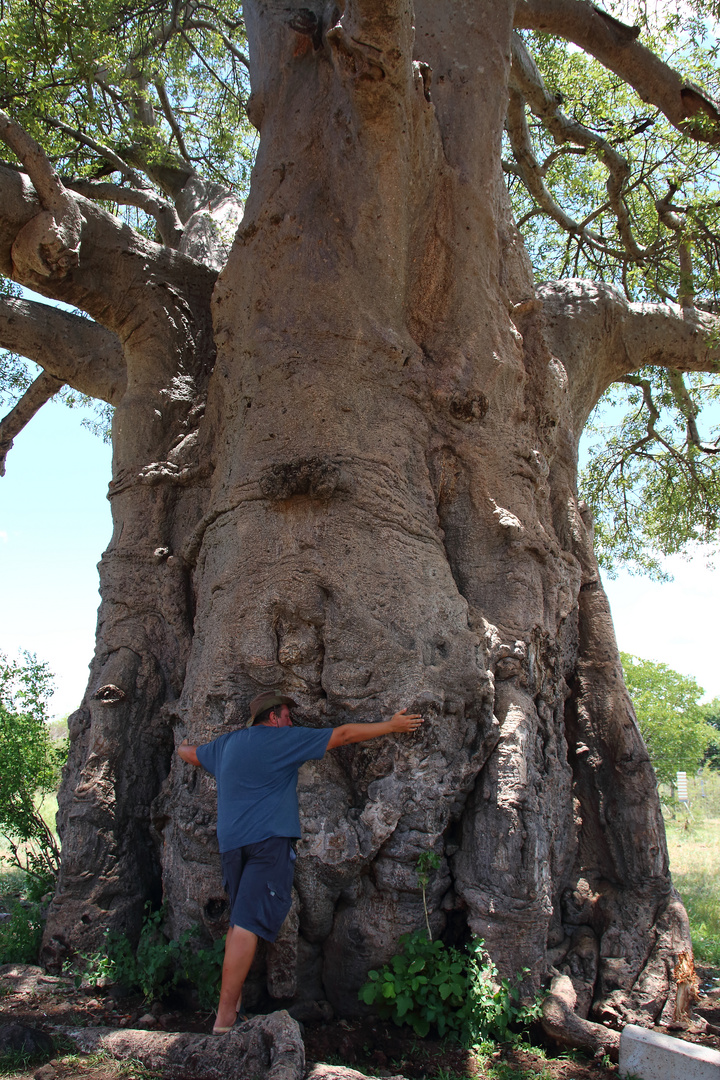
(375, 1048)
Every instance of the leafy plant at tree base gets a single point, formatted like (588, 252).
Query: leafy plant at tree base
(158, 964)
(431, 985)
(29, 766)
(21, 934)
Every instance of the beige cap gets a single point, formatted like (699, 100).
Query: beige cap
(266, 700)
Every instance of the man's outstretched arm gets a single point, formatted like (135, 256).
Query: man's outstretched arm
(188, 753)
(351, 733)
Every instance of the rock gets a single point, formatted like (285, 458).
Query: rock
(146, 1022)
(47, 1072)
(309, 1011)
(25, 1040)
(264, 1048)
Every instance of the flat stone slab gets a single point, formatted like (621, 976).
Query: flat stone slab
(653, 1056)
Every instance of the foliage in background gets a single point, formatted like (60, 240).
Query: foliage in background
(652, 470)
(712, 716)
(30, 765)
(651, 489)
(158, 964)
(693, 835)
(21, 934)
(671, 718)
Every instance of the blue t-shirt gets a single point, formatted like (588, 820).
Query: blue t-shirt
(257, 771)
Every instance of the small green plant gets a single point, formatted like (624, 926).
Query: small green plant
(428, 984)
(431, 985)
(158, 964)
(20, 934)
(428, 861)
(202, 968)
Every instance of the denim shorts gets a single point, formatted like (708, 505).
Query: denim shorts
(258, 880)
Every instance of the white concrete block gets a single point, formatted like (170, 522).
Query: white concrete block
(652, 1056)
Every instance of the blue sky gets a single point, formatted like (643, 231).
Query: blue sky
(55, 524)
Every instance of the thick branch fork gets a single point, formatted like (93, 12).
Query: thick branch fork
(49, 244)
(601, 337)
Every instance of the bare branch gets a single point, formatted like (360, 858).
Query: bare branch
(676, 223)
(529, 82)
(74, 350)
(49, 244)
(165, 214)
(104, 151)
(687, 106)
(44, 387)
(171, 119)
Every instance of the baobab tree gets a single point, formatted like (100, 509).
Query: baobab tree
(345, 445)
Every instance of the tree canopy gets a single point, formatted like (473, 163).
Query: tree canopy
(611, 163)
(672, 719)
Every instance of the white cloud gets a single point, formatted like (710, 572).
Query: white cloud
(673, 623)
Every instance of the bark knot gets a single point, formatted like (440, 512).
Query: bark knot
(469, 409)
(316, 477)
(109, 695)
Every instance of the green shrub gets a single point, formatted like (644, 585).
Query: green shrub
(29, 766)
(431, 985)
(20, 934)
(158, 964)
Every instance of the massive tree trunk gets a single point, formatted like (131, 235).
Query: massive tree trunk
(366, 498)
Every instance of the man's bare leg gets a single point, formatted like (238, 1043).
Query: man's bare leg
(240, 946)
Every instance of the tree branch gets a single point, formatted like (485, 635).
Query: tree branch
(676, 223)
(49, 244)
(44, 387)
(689, 409)
(600, 337)
(121, 278)
(171, 119)
(615, 45)
(74, 350)
(103, 151)
(527, 79)
(530, 172)
(165, 214)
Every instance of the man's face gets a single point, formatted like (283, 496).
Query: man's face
(280, 717)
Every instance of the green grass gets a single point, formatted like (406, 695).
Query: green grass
(694, 845)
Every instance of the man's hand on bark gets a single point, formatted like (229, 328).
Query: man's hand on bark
(401, 722)
(406, 722)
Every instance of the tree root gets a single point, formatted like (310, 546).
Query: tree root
(562, 1023)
